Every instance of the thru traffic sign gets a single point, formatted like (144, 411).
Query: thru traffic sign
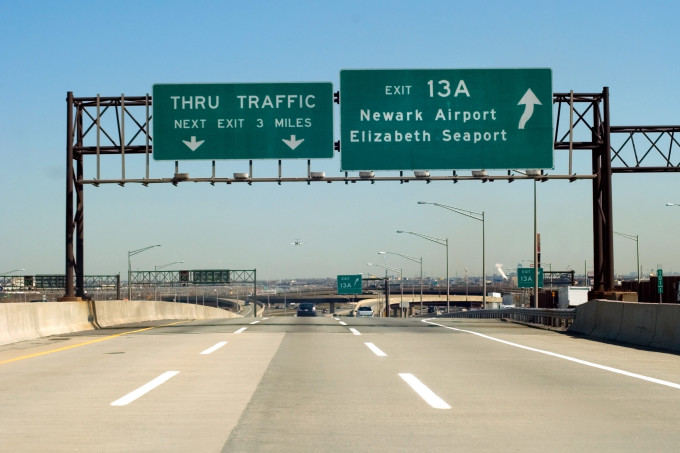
(243, 121)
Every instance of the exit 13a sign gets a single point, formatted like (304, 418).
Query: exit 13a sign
(525, 277)
(349, 284)
(446, 119)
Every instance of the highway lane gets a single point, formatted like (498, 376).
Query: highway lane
(314, 384)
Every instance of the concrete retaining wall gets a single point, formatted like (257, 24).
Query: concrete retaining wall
(26, 321)
(653, 325)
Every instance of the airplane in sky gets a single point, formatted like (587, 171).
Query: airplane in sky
(296, 242)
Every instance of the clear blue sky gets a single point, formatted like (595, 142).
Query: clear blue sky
(109, 48)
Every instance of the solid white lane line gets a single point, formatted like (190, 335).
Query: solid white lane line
(424, 392)
(375, 350)
(342, 323)
(212, 349)
(254, 322)
(354, 331)
(566, 357)
(240, 331)
(146, 388)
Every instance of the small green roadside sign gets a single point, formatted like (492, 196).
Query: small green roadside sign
(525, 277)
(243, 121)
(349, 284)
(446, 119)
(659, 280)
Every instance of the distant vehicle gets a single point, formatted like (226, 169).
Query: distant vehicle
(306, 309)
(365, 310)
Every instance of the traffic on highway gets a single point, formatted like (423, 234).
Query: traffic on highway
(335, 383)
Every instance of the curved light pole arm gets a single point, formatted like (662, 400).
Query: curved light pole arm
(444, 242)
(637, 247)
(11, 272)
(131, 253)
(480, 217)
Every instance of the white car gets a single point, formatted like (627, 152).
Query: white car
(365, 310)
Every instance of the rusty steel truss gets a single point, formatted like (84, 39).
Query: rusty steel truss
(121, 126)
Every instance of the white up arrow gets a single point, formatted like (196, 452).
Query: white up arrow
(193, 144)
(529, 100)
(293, 143)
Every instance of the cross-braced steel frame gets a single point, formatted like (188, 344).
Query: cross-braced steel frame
(120, 126)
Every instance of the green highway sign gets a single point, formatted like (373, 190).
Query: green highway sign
(659, 281)
(446, 119)
(525, 277)
(349, 284)
(243, 121)
(212, 276)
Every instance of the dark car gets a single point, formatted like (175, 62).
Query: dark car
(306, 309)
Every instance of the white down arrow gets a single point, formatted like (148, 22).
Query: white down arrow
(293, 142)
(193, 144)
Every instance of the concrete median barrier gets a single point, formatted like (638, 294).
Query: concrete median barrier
(638, 323)
(643, 324)
(116, 312)
(608, 320)
(26, 321)
(667, 331)
(586, 315)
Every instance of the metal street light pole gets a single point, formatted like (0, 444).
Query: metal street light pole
(444, 242)
(387, 268)
(536, 263)
(131, 253)
(479, 216)
(417, 260)
(637, 249)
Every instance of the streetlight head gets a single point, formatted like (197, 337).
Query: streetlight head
(670, 204)
(399, 231)
(381, 253)
(422, 202)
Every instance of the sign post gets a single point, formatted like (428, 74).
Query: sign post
(429, 119)
(243, 121)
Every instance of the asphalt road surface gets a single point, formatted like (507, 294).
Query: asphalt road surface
(290, 384)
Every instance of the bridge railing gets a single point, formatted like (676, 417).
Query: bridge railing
(559, 319)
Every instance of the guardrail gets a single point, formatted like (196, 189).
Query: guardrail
(553, 318)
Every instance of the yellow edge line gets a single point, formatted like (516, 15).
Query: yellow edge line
(38, 354)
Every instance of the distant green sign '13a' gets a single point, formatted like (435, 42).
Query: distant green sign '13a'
(243, 121)
(448, 119)
(525, 277)
(349, 284)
